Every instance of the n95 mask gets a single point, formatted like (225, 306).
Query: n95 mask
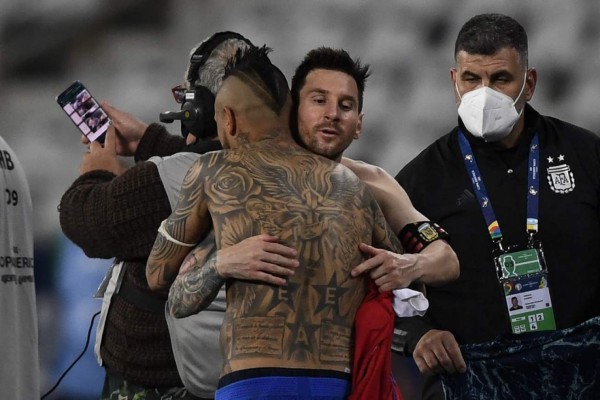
(488, 113)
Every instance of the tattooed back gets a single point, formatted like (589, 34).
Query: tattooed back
(313, 204)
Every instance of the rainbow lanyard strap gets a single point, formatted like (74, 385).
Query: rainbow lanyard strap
(521, 271)
(485, 203)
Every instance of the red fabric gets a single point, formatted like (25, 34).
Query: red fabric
(372, 377)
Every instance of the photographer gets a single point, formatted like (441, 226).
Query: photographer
(111, 211)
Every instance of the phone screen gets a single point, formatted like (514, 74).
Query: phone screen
(84, 111)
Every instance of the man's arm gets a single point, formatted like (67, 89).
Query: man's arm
(185, 227)
(391, 197)
(203, 272)
(435, 264)
(383, 236)
(157, 141)
(386, 241)
(434, 351)
(138, 139)
(110, 213)
(198, 281)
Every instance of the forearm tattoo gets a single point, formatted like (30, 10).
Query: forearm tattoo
(159, 271)
(166, 256)
(194, 289)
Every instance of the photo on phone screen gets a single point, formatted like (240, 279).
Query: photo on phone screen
(84, 111)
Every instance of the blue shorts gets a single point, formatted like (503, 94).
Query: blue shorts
(284, 384)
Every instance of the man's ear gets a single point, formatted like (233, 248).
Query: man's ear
(531, 81)
(358, 130)
(453, 78)
(229, 119)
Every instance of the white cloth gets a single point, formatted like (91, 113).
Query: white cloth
(409, 303)
(194, 339)
(110, 285)
(19, 365)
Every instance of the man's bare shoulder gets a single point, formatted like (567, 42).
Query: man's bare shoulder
(295, 157)
(368, 173)
(392, 198)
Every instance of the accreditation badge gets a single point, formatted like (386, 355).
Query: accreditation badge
(524, 278)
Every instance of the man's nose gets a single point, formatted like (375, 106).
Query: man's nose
(485, 82)
(332, 112)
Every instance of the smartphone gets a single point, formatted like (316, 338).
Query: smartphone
(85, 112)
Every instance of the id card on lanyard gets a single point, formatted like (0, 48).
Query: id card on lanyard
(521, 269)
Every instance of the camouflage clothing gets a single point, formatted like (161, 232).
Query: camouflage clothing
(116, 388)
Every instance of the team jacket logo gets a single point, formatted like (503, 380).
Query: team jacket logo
(560, 177)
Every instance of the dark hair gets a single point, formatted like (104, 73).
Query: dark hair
(331, 59)
(253, 66)
(486, 34)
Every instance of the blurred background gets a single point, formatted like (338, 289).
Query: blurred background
(131, 52)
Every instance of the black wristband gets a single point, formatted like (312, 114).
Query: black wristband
(415, 236)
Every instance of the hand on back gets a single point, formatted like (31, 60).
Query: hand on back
(258, 258)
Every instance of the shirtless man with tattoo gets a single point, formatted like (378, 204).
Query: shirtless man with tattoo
(327, 99)
(326, 117)
(292, 336)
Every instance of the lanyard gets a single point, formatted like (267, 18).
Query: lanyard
(485, 204)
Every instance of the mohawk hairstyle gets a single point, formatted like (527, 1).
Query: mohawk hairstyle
(253, 66)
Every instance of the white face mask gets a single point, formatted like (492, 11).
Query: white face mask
(488, 113)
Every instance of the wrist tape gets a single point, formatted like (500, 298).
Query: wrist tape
(165, 234)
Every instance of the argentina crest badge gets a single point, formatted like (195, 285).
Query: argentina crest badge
(560, 177)
(428, 232)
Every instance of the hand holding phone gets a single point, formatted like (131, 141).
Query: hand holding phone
(129, 129)
(85, 111)
(102, 157)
